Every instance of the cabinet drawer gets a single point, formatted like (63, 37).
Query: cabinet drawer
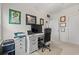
(20, 41)
(20, 48)
(19, 44)
(33, 48)
(34, 39)
(31, 37)
(19, 51)
(33, 42)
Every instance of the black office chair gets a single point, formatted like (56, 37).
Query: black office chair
(46, 39)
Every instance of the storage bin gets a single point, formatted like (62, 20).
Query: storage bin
(8, 47)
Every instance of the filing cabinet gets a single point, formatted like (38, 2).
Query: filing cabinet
(20, 46)
(33, 43)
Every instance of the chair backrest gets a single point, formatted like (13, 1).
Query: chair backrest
(47, 34)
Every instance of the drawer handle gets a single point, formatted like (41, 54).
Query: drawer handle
(20, 44)
(20, 40)
(20, 47)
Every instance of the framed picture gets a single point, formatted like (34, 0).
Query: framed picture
(14, 17)
(62, 24)
(41, 21)
(62, 18)
(62, 29)
(30, 19)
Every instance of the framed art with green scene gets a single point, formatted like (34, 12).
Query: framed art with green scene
(14, 17)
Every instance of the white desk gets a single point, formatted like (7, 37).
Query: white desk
(32, 42)
(27, 45)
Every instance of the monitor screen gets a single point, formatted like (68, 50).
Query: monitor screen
(36, 28)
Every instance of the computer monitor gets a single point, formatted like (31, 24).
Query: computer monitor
(36, 28)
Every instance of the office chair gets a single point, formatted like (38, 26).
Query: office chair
(46, 39)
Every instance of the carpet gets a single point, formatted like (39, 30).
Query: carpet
(55, 50)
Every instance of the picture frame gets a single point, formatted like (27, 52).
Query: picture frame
(14, 17)
(30, 19)
(62, 24)
(41, 21)
(63, 19)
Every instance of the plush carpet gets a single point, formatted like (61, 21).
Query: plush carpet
(55, 50)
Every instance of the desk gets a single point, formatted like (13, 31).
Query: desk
(32, 42)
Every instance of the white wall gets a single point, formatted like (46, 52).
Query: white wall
(0, 22)
(54, 26)
(10, 29)
(72, 25)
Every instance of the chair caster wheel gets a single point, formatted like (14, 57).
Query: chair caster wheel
(42, 50)
(49, 49)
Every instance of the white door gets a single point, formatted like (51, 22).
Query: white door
(64, 30)
(56, 33)
(63, 34)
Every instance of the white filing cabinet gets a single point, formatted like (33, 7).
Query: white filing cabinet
(20, 46)
(33, 43)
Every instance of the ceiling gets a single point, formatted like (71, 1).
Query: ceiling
(51, 7)
(47, 7)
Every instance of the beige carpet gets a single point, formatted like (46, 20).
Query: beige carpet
(55, 50)
(60, 48)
